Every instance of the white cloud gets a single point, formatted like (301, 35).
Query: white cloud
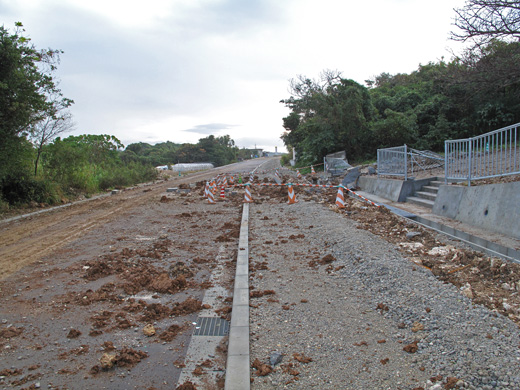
(149, 71)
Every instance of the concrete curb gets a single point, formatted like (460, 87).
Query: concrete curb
(237, 367)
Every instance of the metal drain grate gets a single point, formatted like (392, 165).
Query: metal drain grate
(211, 326)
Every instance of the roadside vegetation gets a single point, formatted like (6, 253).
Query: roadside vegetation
(476, 92)
(39, 166)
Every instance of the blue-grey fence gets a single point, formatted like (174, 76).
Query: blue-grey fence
(493, 154)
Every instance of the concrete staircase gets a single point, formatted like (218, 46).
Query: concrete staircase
(426, 196)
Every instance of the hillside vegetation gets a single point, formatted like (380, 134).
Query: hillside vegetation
(467, 96)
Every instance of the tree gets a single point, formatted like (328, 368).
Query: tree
(328, 115)
(53, 123)
(28, 92)
(484, 20)
(48, 129)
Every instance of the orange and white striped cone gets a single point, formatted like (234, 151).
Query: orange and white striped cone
(312, 170)
(222, 193)
(231, 181)
(247, 196)
(211, 199)
(298, 174)
(206, 190)
(291, 195)
(340, 199)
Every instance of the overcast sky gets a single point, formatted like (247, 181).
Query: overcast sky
(179, 70)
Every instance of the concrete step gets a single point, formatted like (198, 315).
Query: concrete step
(420, 202)
(426, 195)
(436, 183)
(431, 189)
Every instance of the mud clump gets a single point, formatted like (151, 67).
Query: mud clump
(262, 369)
(170, 333)
(9, 372)
(302, 358)
(164, 284)
(189, 306)
(412, 347)
(97, 270)
(73, 334)
(8, 333)
(224, 312)
(180, 268)
(327, 259)
(108, 346)
(188, 385)
(122, 321)
(105, 293)
(154, 312)
(102, 319)
(127, 357)
(231, 234)
(258, 294)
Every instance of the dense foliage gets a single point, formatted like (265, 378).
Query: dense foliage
(28, 95)
(471, 95)
(36, 165)
(215, 150)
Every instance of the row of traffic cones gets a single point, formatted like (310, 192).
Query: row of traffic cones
(210, 192)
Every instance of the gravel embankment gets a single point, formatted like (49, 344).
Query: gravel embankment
(345, 324)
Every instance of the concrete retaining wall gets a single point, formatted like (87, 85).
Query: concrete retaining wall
(392, 189)
(495, 207)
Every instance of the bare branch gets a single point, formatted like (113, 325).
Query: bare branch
(484, 20)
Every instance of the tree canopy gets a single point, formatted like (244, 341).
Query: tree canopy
(443, 100)
(29, 94)
(217, 150)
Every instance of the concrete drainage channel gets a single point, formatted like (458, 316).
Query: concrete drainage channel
(237, 365)
(210, 329)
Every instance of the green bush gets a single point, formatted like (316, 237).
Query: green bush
(285, 160)
(125, 175)
(22, 189)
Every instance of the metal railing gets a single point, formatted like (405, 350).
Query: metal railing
(402, 161)
(393, 161)
(493, 154)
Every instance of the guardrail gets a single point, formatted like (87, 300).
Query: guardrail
(493, 154)
(402, 160)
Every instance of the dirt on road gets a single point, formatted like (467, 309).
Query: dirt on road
(104, 294)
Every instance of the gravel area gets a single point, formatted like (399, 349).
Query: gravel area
(347, 309)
